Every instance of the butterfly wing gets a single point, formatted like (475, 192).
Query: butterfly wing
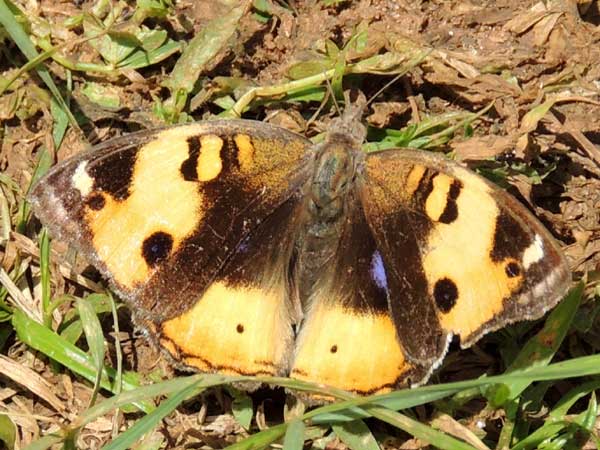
(242, 323)
(463, 257)
(348, 338)
(169, 216)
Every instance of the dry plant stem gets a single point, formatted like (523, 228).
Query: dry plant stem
(414, 108)
(592, 151)
(32, 381)
(281, 89)
(318, 111)
(26, 245)
(18, 298)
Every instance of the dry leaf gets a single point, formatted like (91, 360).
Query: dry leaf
(483, 147)
(447, 424)
(30, 380)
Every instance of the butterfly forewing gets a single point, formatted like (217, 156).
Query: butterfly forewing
(463, 257)
(166, 215)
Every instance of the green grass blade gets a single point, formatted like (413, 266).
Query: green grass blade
(540, 349)
(568, 400)
(71, 328)
(356, 435)
(150, 421)
(562, 433)
(95, 340)
(241, 407)
(260, 440)
(54, 346)
(142, 393)
(44, 163)
(118, 350)
(588, 418)
(44, 442)
(516, 425)
(31, 64)
(417, 429)
(45, 276)
(530, 121)
(5, 218)
(543, 433)
(294, 436)
(8, 432)
(142, 58)
(397, 400)
(61, 122)
(402, 399)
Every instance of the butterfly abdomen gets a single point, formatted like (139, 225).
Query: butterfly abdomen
(329, 194)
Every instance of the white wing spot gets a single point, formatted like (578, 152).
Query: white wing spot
(534, 252)
(81, 180)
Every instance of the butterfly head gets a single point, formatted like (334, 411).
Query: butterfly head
(349, 124)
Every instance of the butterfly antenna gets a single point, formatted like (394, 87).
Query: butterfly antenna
(319, 109)
(385, 86)
(415, 63)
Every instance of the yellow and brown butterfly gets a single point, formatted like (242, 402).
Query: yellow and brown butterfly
(243, 248)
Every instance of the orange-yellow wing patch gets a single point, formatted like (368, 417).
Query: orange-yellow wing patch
(466, 257)
(348, 338)
(175, 218)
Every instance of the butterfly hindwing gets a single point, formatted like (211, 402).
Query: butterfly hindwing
(348, 338)
(242, 324)
(465, 258)
(165, 215)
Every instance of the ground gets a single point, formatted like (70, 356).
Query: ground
(510, 88)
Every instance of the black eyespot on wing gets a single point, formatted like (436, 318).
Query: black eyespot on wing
(96, 202)
(239, 328)
(333, 349)
(157, 247)
(512, 269)
(445, 294)
(450, 213)
(189, 168)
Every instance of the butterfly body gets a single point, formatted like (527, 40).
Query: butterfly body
(246, 249)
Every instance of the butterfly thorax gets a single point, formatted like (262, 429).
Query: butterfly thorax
(333, 177)
(329, 194)
(337, 161)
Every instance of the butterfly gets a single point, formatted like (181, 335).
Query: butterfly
(244, 248)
